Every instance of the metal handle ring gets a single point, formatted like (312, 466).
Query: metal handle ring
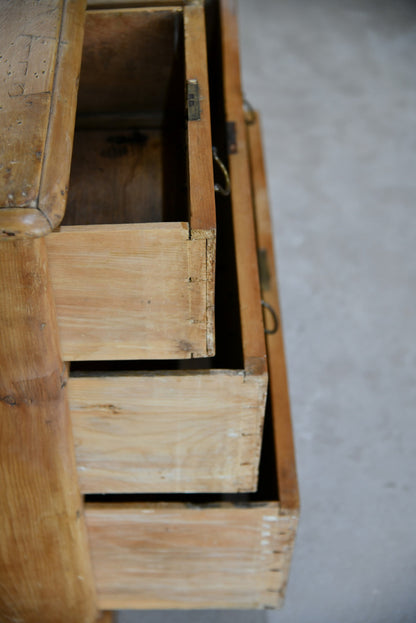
(275, 319)
(218, 188)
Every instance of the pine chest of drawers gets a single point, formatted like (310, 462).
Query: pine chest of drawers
(171, 411)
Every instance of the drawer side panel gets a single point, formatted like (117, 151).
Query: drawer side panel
(172, 432)
(159, 556)
(114, 284)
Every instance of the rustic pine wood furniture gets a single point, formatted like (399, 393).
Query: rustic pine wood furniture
(178, 441)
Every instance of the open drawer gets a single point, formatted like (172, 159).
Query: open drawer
(207, 551)
(133, 263)
(195, 426)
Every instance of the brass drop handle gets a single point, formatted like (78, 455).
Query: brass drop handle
(218, 188)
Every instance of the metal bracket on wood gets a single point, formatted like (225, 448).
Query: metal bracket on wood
(192, 99)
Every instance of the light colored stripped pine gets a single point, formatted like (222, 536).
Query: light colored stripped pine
(129, 291)
(163, 556)
(45, 570)
(167, 432)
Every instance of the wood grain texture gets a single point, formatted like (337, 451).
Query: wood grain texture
(17, 223)
(40, 50)
(114, 4)
(210, 293)
(168, 432)
(128, 60)
(243, 220)
(169, 555)
(59, 140)
(200, 166)
(114, 284)
(45, 571)
(116, 177)
(279, 392)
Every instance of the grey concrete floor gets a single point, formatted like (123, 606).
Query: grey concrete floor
(336, 85)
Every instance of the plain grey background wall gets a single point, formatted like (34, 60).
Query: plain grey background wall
(336, 85)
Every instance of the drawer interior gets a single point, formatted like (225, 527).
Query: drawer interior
(129, 152)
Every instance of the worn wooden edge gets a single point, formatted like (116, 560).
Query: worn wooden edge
(119, 227)
(279, 390)
(254, 346)
(199, 158)
(23, 222)
(131, 603)
(46, 211)
(209, 237)
(134, 7)
(199, 154)
(210, 296)
(25, 218)
(58, 148)
(104, 4)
